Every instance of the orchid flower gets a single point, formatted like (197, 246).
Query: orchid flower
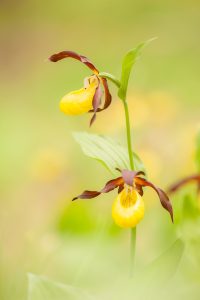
(88, 98)
(128, 207)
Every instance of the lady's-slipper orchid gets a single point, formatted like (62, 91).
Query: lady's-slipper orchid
(179, 184)
(128, 207)
(88, 98)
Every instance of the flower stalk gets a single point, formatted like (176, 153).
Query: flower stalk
(128, 134)
(132, 250)
(133, 232)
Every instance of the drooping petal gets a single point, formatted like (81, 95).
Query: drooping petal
(139, 189)
(108, 97)
(87, 195)
(121, 187)
(96, 103)
(66, 54)
(112, 184)
(129, 176)
(179, 184)
(165, 202)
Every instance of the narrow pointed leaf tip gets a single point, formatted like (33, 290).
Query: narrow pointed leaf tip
(128, 62)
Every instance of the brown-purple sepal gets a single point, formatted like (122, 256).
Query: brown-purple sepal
(65, 54)
(107, 100)
(139, 189)
(96, 103)
(164, 200)
(120, 189)
(112, 184)
(108, 97)
(87, 195)
(129, 176)
(193, 178)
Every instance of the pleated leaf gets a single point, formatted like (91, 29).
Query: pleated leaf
(41, 288)
(107, 151)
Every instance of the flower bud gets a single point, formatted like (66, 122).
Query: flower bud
(128, 208)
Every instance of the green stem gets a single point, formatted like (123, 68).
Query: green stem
(132, 250)
(130, 152)
(128, 135)
(111, 78)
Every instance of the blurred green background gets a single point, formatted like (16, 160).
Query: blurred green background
(42, 167)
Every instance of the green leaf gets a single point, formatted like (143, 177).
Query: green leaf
(190, 209)
(111, 78)
(41, 288)
(127, 64)
(168, 262)
(198, 152)
(158, 274)
(108, 152)
(161, 270)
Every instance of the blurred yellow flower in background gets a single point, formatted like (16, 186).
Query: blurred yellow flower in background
(151, 161)
(48, 164)
(146, 109)
(164, 107)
